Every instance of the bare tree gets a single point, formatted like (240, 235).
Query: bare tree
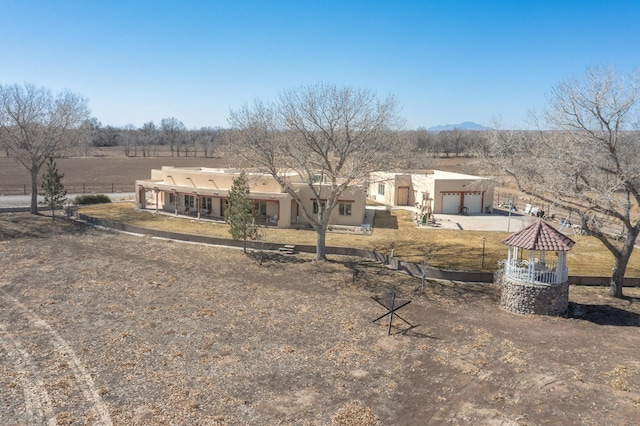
(3, 143)
(586, 160)
(92, 132)
(130, 139)
(206, 138)
(337, 134)
(148, 137)
(110, 136)
(173, 133)
(444, 143)
(38, 125)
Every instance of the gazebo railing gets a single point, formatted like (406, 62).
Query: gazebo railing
(524, 272)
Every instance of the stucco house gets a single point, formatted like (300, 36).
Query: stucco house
(203, 193)
(443, 192)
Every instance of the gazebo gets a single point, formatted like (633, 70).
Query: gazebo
(536, 284)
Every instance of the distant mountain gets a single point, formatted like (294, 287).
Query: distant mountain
(467, 125)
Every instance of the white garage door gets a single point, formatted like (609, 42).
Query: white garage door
(473, 202)
(450, 203)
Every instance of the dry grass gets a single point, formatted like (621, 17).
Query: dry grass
(448, 249)
(173, 333)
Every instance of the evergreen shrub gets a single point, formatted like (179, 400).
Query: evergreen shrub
(91, 199)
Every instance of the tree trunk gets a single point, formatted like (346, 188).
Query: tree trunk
(34, 190)
(617, 280)
(244, 239)
(620, 265)
(321, 249)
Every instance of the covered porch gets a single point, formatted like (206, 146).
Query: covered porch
(270, 209)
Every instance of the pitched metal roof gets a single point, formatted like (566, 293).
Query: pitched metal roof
(540, 236)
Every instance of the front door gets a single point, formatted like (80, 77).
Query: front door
(402, 198)
(206, 205)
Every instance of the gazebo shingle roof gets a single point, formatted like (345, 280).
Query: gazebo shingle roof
(540, 236)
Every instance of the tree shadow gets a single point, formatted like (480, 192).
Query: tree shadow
(26, 225)
(267, 258)
(385, 220)
(604, 314)
(463, 291)
(376, 279)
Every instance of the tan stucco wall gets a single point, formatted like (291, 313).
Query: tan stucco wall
(215, 184)
(198, 177)
(354, 194)
(432, 184)
(389, 180)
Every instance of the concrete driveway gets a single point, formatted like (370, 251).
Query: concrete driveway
(499, 220)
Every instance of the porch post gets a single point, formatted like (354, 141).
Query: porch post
(561, 267)
(175, 199)
(532, 265)
(142, 197)
(507, 266)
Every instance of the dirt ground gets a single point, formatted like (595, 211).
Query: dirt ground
(105, 328)
(109, 167)
(97, 174)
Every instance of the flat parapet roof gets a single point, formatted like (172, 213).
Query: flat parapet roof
(227, 171)
(440, 174)
(433, 174)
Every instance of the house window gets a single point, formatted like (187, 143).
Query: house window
(315, 206)
(206, 204)
(172, 198)
(260, 208)
(344, 209)
(189, 201)
(381, 188)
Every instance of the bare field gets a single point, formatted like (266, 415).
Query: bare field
(105, 328)
(109, 166)
(97, 174)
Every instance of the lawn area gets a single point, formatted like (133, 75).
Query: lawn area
(443, 248)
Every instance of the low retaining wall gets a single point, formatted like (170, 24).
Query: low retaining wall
(602, 281)
(392, 262)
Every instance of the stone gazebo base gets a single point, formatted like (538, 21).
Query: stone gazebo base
(529, 298)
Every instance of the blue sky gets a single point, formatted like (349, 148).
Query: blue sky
(445, 61)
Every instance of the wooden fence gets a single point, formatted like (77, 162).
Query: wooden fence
(72, 188)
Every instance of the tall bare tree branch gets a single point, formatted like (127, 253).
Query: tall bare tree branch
(37, 125)
(336, 134)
